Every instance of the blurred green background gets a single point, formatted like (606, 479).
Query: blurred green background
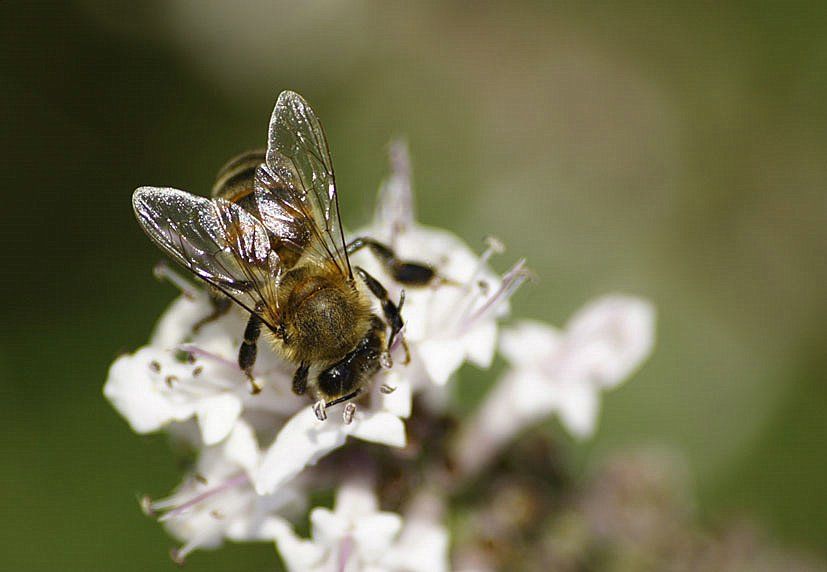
(673, 150)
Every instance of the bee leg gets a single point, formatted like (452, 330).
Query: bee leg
(248, 350)
(348, 413)
(300, 379)
(389, 309)
(319, 408)
(220, 305)
(404, 272)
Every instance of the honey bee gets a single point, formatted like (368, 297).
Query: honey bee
(271, 240)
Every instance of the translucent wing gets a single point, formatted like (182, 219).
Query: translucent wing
(296, 187)
(216, 240)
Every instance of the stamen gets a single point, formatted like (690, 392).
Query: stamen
(493, 246)
(510, 282)
(178, 555)
(154, 507)
(473, 284)
(162, 271)
(345, 551)
(195, 350)
(146, 506)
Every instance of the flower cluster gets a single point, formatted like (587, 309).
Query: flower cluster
(259, 454)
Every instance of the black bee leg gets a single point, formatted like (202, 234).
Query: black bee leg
(404, 272)
(220, 305)
(391, 311)
(248, 350)
(320, 407)
(300, 379)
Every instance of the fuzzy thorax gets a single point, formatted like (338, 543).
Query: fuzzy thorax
(323, 316)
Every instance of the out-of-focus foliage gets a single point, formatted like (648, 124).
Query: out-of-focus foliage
(670, 150)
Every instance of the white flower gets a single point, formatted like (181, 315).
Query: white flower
(356, 537)
(182, 374)
(456, 318)
(218, 501)
(561, 372)
(155, 387)
(303, 440)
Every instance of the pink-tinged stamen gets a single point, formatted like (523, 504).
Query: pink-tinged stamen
(345, 552)
(510, 282)
(162, 271)
(153, 507)
(197, 351)
(494, 246)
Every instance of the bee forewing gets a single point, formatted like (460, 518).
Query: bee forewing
(217, 241)
(297, 184)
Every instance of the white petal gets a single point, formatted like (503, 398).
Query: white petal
(217, 416)
(398, 401)
(241, 446)
(177, 321)
(131, 390)
(532, 394)
(374, 533)
(529, 342)
(328, 527)
(299, 555)
(610, 338)
(441, 357)
(578, 409)
(379, 427)
(422, 547)
(481, 342)
(355, 499)
(302, 441)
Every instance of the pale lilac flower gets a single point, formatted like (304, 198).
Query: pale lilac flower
(561, 372)
(304, 439)
(357, 537)
(455, 319)
(154, 388)
(218, 502)
(181, 375)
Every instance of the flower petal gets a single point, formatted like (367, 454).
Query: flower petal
(398, 401)
(375, 533)
(609, 337)
(529, 342)
(132, 391)
(578, 408)
(481, 343)
(441, 358)
(241, 447)
(379, 427)
(177, 321)
(216, 416)
(302, 441)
